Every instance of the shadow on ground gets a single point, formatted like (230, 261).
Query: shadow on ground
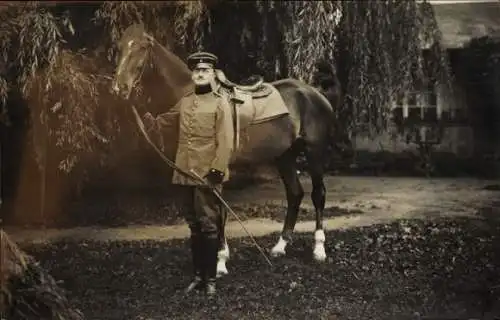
(111, 211)
(277, 213)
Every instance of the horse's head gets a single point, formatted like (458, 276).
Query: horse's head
(134, 48)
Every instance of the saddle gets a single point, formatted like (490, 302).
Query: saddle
(254, 86)
(252, 104)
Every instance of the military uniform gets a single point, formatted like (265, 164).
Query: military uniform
(205, 146)
(205, 136)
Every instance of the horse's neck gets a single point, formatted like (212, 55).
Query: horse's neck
(173, 70)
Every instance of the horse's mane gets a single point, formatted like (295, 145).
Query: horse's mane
(174, 71)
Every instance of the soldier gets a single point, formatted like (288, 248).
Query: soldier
(205, 146)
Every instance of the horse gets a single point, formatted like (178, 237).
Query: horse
(305, 128)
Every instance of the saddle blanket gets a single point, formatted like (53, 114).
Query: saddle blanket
(257, 109)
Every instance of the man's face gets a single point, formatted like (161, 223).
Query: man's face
(203, 76)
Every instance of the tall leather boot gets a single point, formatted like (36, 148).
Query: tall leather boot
(211, 247)
(198, 266)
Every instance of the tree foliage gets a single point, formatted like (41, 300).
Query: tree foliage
(380, 57)
(376, 46)
(52, 55)
(69, 96)
(31, 38)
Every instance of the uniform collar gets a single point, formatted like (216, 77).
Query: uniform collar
(203, 89)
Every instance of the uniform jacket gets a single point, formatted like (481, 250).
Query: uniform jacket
(205, 134)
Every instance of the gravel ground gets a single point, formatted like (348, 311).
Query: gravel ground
(440, 267)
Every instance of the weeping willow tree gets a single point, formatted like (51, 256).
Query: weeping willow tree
(381, 58)
(60, 87)
(374, 45)
(53, 59)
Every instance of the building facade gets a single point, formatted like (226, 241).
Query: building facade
(463, 108)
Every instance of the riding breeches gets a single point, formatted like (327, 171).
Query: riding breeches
(201, 210)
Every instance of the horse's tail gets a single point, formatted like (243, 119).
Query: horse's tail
(339, 138)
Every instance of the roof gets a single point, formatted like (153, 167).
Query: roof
(460, 22)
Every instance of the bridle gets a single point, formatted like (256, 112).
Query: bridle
(143, 68)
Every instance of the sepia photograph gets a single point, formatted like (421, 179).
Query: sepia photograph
(260, 160)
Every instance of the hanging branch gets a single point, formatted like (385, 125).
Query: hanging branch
(309, 36)
(188, 16)
(375, 45)
(381, 58)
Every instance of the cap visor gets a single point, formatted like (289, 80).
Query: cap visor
(203, 65)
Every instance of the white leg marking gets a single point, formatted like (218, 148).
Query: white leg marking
(279, 248)
(222, 256)
(319, 246)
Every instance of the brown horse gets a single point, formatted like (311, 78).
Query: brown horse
(305, 128)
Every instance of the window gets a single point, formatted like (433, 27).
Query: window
(417, 107)
(412, 99)
(414, 112)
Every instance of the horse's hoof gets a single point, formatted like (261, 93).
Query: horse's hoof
(279, 249)
(277, 253)
(221, 273)
(319, 254)
(221, 269)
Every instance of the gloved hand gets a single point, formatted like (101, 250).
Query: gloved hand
(148, 120)
(214, 176)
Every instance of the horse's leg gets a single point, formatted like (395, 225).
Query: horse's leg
(223, 254)
(294, 193)
(318, 193)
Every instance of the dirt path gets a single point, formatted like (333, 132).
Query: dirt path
(381, 199)
(392, 195)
